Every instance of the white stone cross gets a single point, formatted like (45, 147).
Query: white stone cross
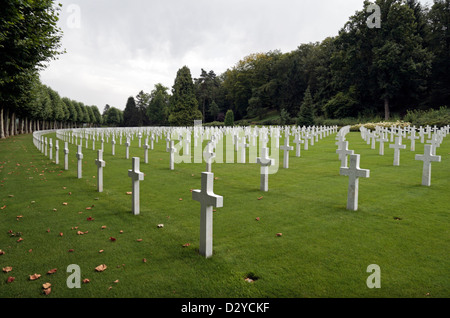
(207, 200)
(113, 146)
(413, 138)
(57, 151)
(354, 173)
(127, 145)
(100, 164)
(382, 139)
(298, 141)
(343, 151)
(209, 155)
(265, 163)
(79, 156)
(172, 150)
(146, 146)
(397, 146)
(286, 149)
(136, 176)
(427, 158)
(243, 145)
(51, 149)
(434, 143)
(66, 156)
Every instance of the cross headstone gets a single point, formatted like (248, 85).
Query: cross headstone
(127, 146)
(57, 151)
(146, 146)
(397, 146)
(354, 173)
(209, 155)
(207, 200)
(434, 143)
(343, 151)
(79, 156)
(298, 141)
(413, 138)
(382, 139)
(136, 176)
(427, 158)
(172, 150)
(100, 164)
(243, 145)
(113, 146)
(265, 163)
(51, 149)
(66, 156)
(286, 148)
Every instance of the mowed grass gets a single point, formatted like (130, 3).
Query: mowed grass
(324, 250)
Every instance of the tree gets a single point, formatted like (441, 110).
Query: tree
(214, 110)
(29, 37)
(131, 116)
(158, 106)
(183, 103)
(439, 44)
(305, 115)
(142, 100)
(385, 63)
(229, 118)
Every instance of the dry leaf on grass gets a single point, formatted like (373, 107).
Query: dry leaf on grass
(10, 279)
(35, 276)
(101, 268)
(186, 244)
(47, 291)
(86, 280)
(46, 285)
(7, 269)
(52, 271)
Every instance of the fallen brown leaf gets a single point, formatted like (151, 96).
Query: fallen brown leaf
(52, 271)
(86, 280)
(186, 244)
(10, 279)
(101, 268)
(35, 276)
(46, 285)
(7, 269)
(47, 291)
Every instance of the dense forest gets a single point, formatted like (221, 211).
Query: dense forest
(399, 68)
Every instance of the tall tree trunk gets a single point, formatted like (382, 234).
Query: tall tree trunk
(2, 127)
(7, 123)
(386, 108)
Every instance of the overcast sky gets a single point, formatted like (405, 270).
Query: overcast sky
(116, 48)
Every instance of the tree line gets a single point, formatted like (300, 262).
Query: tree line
(400, 66)
(364, 71)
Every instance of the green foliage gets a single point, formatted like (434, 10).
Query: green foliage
(229, 118)
(306, 113)
(341, 105)
(131, 115)
(157, 111)
(432, 117)
(183, 103)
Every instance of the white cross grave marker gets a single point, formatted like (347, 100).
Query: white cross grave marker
(66, 156)
(265, 162)
(57, 151)
(286, 149)
(172, 150)
(354, 173)
(79, 156)
(427, 158)
(136, 176)
(100, 164)
(343, 151)
(397, 146)
(207, 200)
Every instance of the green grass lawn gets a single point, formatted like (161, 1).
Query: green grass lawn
(324, 249)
